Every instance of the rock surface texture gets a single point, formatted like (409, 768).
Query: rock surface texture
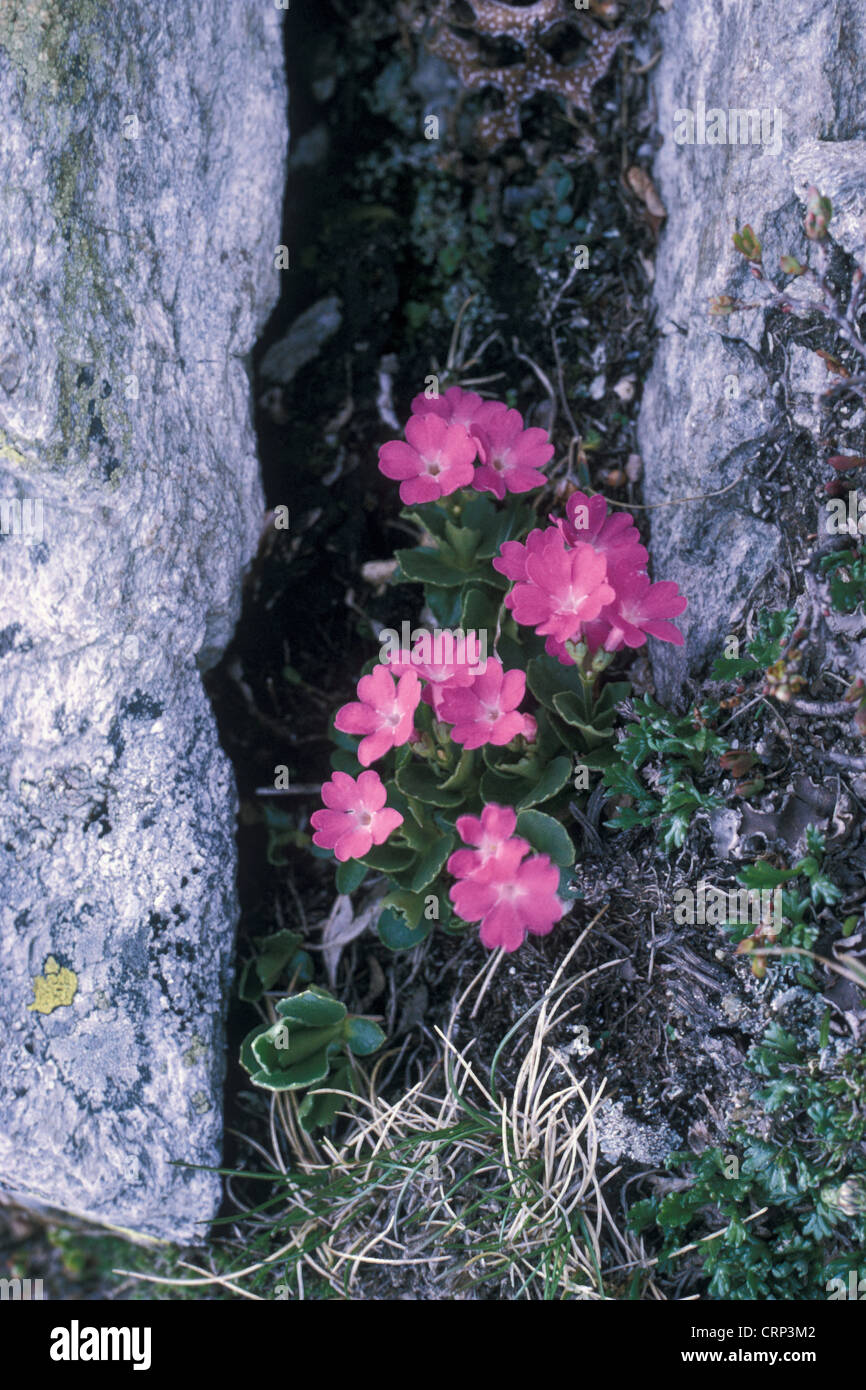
(714, 417)
(141, 183)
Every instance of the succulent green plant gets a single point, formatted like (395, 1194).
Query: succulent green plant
(313, 1040)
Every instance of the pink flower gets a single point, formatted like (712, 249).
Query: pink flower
(455, 407)
(512, 557)
(558, 649)
(510, 455)
(641, 608)
(485, 712)
(563, 588)
(496, 844)
(442, 658)
(384, 714)
(615, 536)
(431, 661)
(520, 898)
(357, 816)
(437, 460)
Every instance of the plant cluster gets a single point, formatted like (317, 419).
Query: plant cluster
(679, 747)
(800, 904)
(471, 745)
(808, 1171)
(313, 1040)
(847, 579)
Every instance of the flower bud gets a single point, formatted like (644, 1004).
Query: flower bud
(737, 761)
(819, 210)
(842, 462)
(747, 244)
(750, 787)
(722, 304)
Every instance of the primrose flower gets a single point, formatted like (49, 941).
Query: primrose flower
(640, 608)
(495, 841)
(616, 536)
(486, 711)
(515, 899)
(512, 557)
(356, 817)
(510, 456)
(436, 459)
(384, 712)
(455, 406)
(563, 588)
(448, 663)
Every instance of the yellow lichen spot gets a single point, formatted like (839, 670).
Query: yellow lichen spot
(54, 988)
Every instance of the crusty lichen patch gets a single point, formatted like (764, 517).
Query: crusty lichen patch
(196, 1049)
(54, 988)
(35, 34)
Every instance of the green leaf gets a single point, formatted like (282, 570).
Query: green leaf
(320, 1108)
(552, 780)
(363, 1036)
(260, 974)
(547, 677)
(674, 1210)
(480, 612)
(463, 541)
(763, 875)
(773, 629)
(248, 1059)
(395, 932)
(728, 668)
(642, 1215)
(507, 791)
(304, 1073)
(572, 708)
(315, 1008)
(444, 604)
(547, 836)
(431, 518)
(418, 780)
(410, 904)
(428, 567)
(497, 524)
(428, 866)
(462, 774)
(342, 760)
(284, 1044)
(388, 858)
(350, 875)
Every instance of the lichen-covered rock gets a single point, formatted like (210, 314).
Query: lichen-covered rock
(791, 93)
(141, 180)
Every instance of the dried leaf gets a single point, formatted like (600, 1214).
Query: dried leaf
(342, 927)
(643, 187)
(538, 71)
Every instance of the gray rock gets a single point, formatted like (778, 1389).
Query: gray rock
(304, 340)
(709, 410)
(141, 180)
